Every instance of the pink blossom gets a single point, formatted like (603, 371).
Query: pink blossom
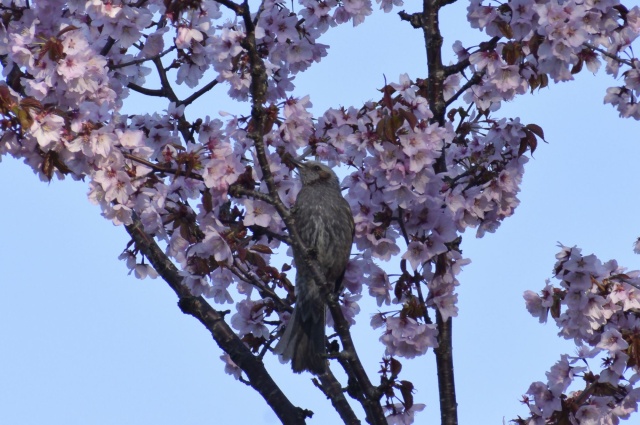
(258, 213)
(417, 253)
(119, 214)
(186, 36)
(230, 368)
(546, 403)
(249, 319)
(397, 414)
(612, 340)
(379, 286)
(534, 306)
(140, 270)
(353, 276)
(350, 308)
(407, 338)
(47, 130)
(221, 279)
(561, 375)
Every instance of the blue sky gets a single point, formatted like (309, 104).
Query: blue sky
(83, 343)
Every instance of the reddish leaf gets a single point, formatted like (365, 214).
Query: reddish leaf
(6, 101)
(544, 80)
(242, 254)
(387, 128)
(47, 166)
(262, 249)
(536, 129)
(505, 29)
(397, 120)
(634, 351)
(387, 91)
(532, 142)
(25, 118)
(256, 260)
(381, 128)
(66, 29)
(395, 367)
(534, 44)
(406, 389)
(409, 117)
(30, 102)
(555, 308)
(207, 201)
(523, 146)
(577, 67)
(511, 52)
(184, 232)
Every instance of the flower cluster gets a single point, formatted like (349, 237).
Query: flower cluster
(419, 184)
(407, 338)
(553, 39)
(596, 304)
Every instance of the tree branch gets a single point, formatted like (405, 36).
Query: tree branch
(227, 340)
(475, 79)
(109, 44)
(236, 8)
(183, 124)
(188, 101)
(332, 389)
(160, 169)
(435, 93)
(238, 191)
(258, 90)
(444, 364)
(142, 60)
(609, 55)
(146, 91)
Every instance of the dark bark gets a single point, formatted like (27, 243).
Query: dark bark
(435, 89)
(225, 337)
(444, 363)
(331, 388)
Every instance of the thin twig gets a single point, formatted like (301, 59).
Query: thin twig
(109, 44)
(146, 91)
(188, 101)
(610, 55)
(142, 60)
(475, 79)
(160, 169)
(238, 191)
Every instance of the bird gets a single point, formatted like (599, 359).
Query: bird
(324, 222)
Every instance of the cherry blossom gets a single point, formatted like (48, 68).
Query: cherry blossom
(407, 338)
(419, 168)
(399, 415)
(589, 308)
(249, 319)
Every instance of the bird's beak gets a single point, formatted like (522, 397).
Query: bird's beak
(297, 163)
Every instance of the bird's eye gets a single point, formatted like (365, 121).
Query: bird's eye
(316, 168)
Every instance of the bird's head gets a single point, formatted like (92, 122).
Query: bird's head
(312, 172)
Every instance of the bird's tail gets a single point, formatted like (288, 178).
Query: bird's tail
(303, 343)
